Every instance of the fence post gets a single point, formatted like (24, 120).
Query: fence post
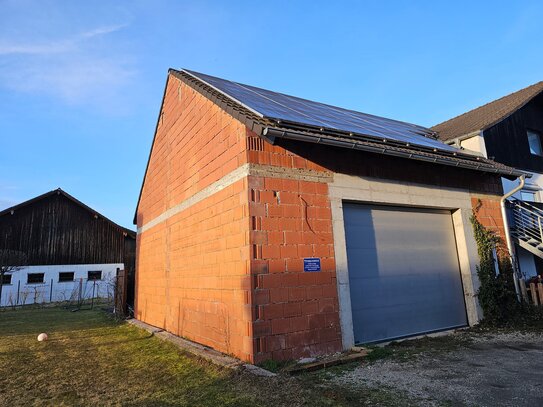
(18, 290)
(79, 294)
(524, 291)
(93, 287)
(533, 293)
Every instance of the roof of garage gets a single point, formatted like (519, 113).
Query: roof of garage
(275, 115)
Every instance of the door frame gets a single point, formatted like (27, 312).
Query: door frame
(372, 191)
(441, 211)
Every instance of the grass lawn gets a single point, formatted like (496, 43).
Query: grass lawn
(90, 359)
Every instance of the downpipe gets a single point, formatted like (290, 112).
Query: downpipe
(510, 246)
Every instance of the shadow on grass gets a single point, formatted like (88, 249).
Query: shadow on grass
(30, 321)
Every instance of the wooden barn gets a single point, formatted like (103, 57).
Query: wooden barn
(71, 252)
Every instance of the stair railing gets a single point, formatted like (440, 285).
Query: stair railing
(527, 222)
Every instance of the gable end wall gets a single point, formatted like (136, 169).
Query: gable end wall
(193, 231)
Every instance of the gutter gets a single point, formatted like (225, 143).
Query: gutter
(510, 246)
(272, 133)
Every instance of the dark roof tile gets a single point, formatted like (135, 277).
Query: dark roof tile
(486, 116)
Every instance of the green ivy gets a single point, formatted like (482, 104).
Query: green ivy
(497, 292)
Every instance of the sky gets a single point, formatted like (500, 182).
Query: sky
(81, 82)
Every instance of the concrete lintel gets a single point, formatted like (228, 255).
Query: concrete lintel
(299, 174)
(239, 173)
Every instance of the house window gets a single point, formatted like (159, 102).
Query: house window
(64, 277)
(534, 140)
(35, 278)
(95, 275)
(5, 279)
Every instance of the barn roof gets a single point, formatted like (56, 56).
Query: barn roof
(488, 115)
(59, 191)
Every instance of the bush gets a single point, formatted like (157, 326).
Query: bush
(497, 292)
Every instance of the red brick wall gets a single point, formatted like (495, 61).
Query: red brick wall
(193, 269)
(487, 210)
(296, 312)
(196, 144)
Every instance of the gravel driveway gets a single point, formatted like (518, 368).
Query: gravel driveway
(486, 370)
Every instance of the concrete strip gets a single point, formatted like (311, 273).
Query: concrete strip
(201, 351)
(193, 348)
(245, 170)
(258, 371)
(224, 182)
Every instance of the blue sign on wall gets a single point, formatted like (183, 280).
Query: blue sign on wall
(312, 264)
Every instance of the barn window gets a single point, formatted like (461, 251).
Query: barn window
(95, 275)
(534, 140)
(35, 278)
(65, 276)
(5, 279)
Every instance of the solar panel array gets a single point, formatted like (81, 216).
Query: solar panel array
(285, 108)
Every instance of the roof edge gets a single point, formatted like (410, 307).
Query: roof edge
(185, 71)
(493, 123)
(472, 163)
(60, 191)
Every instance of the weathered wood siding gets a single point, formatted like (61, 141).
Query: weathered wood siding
(56, 230)
(130, 268)
(507, 141)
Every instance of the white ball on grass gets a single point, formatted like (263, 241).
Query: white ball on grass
(42, 337)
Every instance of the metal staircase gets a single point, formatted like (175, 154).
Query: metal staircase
(527, 226)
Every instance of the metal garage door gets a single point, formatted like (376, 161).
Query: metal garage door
(403, 272)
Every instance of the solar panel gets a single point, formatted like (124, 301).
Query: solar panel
(285, 108)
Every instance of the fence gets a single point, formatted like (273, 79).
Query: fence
(77, 293)
(532, 293)
(120, 307)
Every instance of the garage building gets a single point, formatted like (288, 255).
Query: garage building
(271, 226)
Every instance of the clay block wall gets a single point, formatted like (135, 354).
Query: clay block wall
(196, 143)
(488, 212)
(296, 313)
(193, 268)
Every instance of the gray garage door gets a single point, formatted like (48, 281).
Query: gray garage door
(403, 272)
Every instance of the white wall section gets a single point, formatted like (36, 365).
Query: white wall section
(39, 293)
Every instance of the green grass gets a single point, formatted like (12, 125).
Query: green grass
(90, 359)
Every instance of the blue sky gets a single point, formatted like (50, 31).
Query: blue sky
(81, 82)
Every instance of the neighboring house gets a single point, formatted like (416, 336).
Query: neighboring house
(271, 226)
(510, 131)
(73, 251)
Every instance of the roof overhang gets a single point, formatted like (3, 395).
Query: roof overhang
(454, 160)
